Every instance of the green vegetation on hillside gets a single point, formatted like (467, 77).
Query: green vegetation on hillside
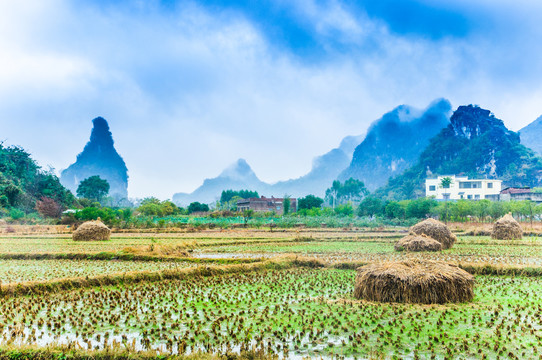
(475, 144)
(23, 183)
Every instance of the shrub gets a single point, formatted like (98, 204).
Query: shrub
(48, 207)
(16, 214)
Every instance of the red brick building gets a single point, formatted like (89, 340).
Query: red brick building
(264, 204)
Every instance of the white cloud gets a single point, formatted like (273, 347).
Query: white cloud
(186, 93)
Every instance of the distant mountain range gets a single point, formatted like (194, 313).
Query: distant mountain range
(237, 176)
(476, 144)
(99, 157)
(240, 176)
(531, 135)
(393, 143)
(399, 151)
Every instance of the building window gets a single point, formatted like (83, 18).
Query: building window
(446, 196)
(432, 188)
(490, 185)
(469, 196)
(477, 196)
(470, 185)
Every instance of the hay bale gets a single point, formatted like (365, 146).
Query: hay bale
(507, 228)
(91, 231)
(414, 281)
(413, 242)
(436, 230)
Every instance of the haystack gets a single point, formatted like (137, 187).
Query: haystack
(414, 281)
(436, 230)
(507, 228)
(91, 230)
(413, 242)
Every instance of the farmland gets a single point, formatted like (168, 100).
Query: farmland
(286, 292)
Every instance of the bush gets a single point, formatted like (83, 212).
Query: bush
(395, 210)
(420, 208)
(345, 210)
(16, 214)
(48, 207)
(92, 213)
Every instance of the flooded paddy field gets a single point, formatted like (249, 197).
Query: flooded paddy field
(293, 312)
(14, 270)
(287, 308)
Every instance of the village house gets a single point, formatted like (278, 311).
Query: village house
(263, 204)
(461, 187)
(520, 193)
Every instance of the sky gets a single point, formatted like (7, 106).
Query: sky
(188, 87)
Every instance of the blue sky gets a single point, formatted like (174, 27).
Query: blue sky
(188, 87)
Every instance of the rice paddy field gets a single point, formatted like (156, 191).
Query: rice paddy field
(285, 294)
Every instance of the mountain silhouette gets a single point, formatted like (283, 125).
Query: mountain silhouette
(99, 157)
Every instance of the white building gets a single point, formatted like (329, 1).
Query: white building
(461, 187)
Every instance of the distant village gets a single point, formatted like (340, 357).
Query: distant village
(442, 188)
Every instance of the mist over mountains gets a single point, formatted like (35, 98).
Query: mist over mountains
(531, 135)
(475, 144)
(392, 144)
(239, 175)
(398, 152)
(99, 157)
(395, 142)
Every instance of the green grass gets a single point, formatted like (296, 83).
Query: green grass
(305, 312)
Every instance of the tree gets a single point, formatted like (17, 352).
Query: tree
(23, 182)
(333, 192)
(228, 195)
(394, 210)
(286, 205)
(481, 209)
(445, 183)
(351, 190)
(93, 188)
(370, 206)
(309, 202)
(197, 207)
(247, 214)
(48, 207)
(152, 206)
(496, 210)
(420, 208)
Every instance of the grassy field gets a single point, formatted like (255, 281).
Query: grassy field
(287, 307)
